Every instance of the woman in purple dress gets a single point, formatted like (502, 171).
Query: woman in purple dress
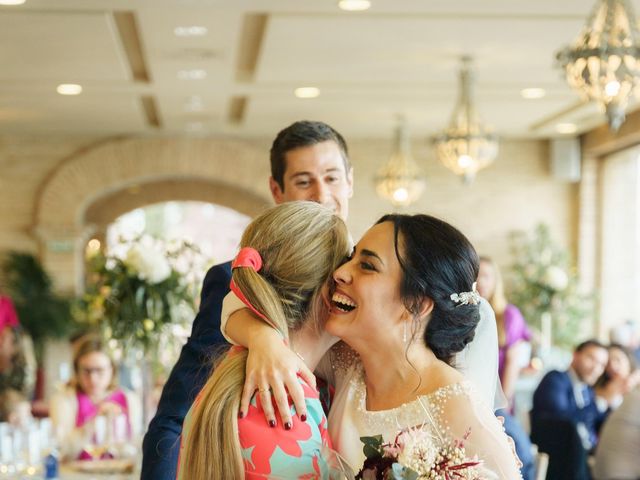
(513, 338)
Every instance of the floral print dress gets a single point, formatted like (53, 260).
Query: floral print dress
(299, 453)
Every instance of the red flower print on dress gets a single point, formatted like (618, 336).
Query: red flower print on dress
(316, 474)
(254, 432)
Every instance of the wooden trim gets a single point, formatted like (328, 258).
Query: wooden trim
(251, 37)
(132, 44)
(150, 108)
(601, 141)
(237, 109)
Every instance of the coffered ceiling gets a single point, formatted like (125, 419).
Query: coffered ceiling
(238, 78)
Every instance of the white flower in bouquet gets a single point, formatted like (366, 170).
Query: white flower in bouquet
(150, 264)
(417, 450)
(556, 278)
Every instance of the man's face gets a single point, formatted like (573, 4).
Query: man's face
(590, 363)
(316, 173)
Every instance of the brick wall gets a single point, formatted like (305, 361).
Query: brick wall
(49, 184)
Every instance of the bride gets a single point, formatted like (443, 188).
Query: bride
(405, 304)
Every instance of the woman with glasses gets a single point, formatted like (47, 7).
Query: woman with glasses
(90, 400)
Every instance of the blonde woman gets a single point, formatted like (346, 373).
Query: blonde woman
(287, 254)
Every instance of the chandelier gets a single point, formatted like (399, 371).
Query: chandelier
(466, 146)
(604, 61)
(400, 181)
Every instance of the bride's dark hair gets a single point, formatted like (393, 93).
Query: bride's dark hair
(437, 260)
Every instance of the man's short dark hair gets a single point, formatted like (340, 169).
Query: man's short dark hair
(590, 343)
(304, 133)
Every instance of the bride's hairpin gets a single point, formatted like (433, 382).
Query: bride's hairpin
(467, 298)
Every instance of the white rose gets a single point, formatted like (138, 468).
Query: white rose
(418, 450)
(148, 263)
(556, 278)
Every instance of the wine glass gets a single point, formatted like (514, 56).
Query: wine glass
(98, 441)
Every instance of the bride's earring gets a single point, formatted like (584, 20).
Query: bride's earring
(404, 334)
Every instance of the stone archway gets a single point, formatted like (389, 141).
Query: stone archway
(82, 190)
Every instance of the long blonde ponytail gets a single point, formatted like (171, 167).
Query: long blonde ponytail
(301, 244)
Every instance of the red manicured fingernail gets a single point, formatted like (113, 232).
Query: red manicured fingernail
(272, 423)
(303, 418)
(240, 414)
(287, 426)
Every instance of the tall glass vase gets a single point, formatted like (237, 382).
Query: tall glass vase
(137, 375)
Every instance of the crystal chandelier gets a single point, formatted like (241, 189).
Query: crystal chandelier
(604, 61)
(466, 146)
(400, 181)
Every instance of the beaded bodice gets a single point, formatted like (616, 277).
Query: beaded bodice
(451, 412)
(425, 410)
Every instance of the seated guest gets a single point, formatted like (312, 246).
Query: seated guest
(15, 409)
(565, 418)
(569, 395)
(14, 371)
(92, 392)
(619, 377)
(627, 334)
(617, 453)
(513, 338)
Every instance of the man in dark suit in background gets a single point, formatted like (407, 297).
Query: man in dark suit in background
(309, 161)
(566, 414)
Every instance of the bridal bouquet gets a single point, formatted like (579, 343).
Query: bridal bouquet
(414, 455)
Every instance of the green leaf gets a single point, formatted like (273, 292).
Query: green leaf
(372, 446)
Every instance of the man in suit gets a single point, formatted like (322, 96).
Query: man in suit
(309, 161)
(569, 395)
(566, 414)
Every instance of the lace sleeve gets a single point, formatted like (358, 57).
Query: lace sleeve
(459, 412)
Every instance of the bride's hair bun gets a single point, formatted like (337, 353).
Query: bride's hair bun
(437, 260)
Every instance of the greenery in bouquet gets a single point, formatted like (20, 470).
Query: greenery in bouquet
(142, 297)
(544, 282)
(416, 455)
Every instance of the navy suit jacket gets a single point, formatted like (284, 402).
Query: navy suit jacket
(161, 443)
(554, 399)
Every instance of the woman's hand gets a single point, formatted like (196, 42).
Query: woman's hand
(272, 368)
(109, 409)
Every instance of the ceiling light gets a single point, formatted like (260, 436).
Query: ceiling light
(195, 74)
(603, 63)
(69, 89)
(93, 247)
(307, 92)
(566, 128)
(12, 2)
(533, 93)
(190, 31)
(194, 127)
(194, 104)
(354, 5)
(467, 145)
(400, 180)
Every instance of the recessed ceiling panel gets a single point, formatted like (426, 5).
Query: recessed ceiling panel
(410, 48)
(64, 47)
(105, 114)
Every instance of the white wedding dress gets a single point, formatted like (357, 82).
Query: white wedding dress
(447, 414)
